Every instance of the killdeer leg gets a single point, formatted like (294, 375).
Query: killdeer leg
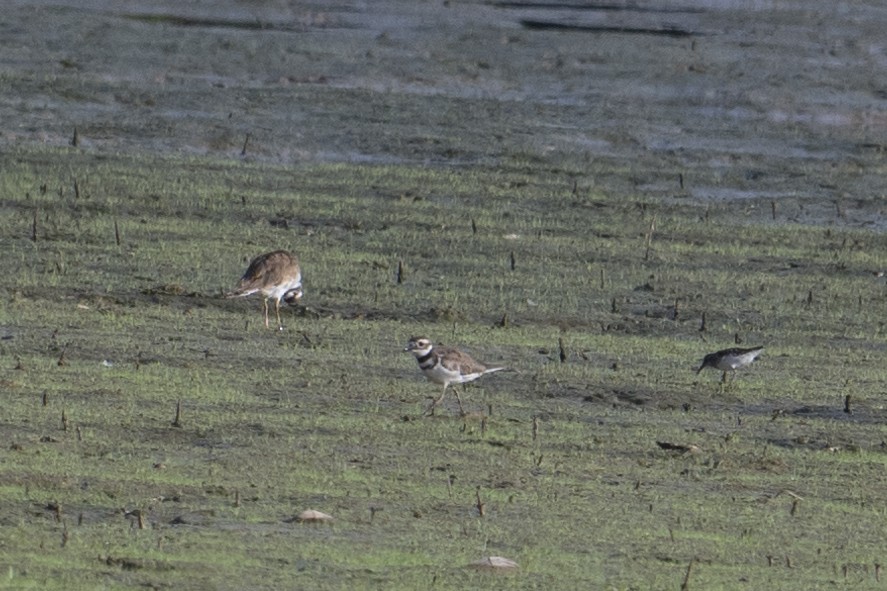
(459, 398)
(724, 378)
(265, 302)
(277, 309)
(430, 411)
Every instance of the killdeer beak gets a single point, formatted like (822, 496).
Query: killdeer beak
(701, 367)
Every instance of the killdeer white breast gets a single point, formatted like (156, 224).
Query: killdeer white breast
(730, 360)
(445, 366)
(276, 275)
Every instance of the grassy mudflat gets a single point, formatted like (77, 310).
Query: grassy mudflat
(577, 204)
(784, 490)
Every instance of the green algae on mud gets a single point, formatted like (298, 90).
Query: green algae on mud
(101, 341)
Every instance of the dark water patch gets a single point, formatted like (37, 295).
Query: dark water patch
(859, 412)
(124, 563)
(540, 25)
(877, 147)
(618, 397)
(195, 518)
(814, 444)
(215, 23)
(856, 414)
(598, 7)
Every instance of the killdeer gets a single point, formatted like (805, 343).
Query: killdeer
(276, 275)
(446, 365)
(730, 360)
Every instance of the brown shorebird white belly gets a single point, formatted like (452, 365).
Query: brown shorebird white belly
(730, 360)
(277, 276)
(445, 366)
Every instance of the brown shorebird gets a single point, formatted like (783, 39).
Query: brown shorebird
(276, 275)
(730, 360)
(445, 366)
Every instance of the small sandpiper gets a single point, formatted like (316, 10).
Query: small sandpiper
(730, 360)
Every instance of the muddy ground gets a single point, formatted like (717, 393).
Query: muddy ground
(762, 101)
(766, 112)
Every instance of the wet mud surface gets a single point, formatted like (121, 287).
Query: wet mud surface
(716, 100)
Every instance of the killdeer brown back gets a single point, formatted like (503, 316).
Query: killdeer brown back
(730, 360)
(276, 275)
(445, 366)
